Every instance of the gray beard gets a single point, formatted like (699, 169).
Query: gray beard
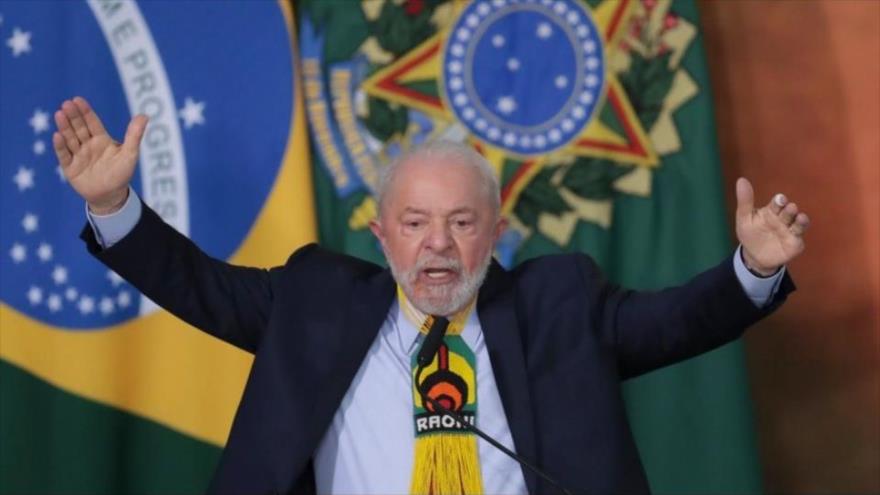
(447, 300)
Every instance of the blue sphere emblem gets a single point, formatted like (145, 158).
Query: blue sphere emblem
(524, 75)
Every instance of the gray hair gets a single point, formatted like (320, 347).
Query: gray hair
(447, 151)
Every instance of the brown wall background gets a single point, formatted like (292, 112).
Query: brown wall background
(797, 91)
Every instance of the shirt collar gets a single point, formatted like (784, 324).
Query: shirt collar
(409, 333)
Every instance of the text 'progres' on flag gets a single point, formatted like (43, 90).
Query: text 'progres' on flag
(148, 91)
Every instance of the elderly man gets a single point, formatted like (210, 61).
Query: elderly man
(338, 401)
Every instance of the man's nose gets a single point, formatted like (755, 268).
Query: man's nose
(439, 238)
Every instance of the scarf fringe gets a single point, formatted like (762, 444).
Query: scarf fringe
(446, 464)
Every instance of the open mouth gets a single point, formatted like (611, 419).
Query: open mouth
(438, 275)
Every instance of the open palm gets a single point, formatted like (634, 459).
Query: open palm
(96, 166)
(772, 235)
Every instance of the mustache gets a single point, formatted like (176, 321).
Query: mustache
(437, 262)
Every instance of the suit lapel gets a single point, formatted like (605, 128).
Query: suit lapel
(369, 303)
(496, 308)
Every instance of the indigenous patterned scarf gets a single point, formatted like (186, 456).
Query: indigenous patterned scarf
(446, 456)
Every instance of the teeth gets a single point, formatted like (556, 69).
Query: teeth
(436, 274)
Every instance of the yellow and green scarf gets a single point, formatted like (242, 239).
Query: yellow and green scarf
(446, 456)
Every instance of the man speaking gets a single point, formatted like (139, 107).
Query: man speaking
(423, 378)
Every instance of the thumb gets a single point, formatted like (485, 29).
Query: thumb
(134, 134)
(745, 198)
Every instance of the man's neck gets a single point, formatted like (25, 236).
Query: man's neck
(417, 317)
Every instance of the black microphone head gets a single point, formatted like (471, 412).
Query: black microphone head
(432, 340)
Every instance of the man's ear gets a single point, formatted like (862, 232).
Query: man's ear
(500, 227)
(376, 229)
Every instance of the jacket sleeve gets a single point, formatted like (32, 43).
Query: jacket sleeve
(230, 302)
(652, 329)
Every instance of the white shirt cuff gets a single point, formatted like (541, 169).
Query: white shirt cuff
(759, 289)
(110, 229)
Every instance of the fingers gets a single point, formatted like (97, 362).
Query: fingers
(66, 130)
(800, 225)
(788, 214)
(134, 134)
(93, 123)
(77, 122)
(745, 198)
(61, 150)
(779, 206)
(777, 203)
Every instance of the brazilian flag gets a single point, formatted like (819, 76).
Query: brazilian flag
(100, 391)
(597, 118)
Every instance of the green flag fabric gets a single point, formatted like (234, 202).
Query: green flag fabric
(597, 118)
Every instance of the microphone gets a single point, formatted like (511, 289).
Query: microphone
(432, 341)
(426, 354)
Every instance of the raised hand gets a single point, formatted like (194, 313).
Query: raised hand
(97, 167)
(772, 235)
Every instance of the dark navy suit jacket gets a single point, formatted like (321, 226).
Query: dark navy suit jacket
(560, 339)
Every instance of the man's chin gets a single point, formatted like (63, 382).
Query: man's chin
(437, 296)
(436, 300)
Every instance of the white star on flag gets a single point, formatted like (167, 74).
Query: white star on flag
(191, 113)
(123, 299)
(54, 303)
(544, 30)
(71, 294)
(39, 121)
(44, 252)
(59, 275)
(39, 147)
(18, 253)
(19, 42)
(561, 81)
(106, 306)
(35, 295)
(560, 8)
(114, 278)
(30, 222)
(506, 104)
(24, 178)
(86, 305)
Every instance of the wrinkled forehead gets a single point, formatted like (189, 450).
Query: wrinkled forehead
(438, 181)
